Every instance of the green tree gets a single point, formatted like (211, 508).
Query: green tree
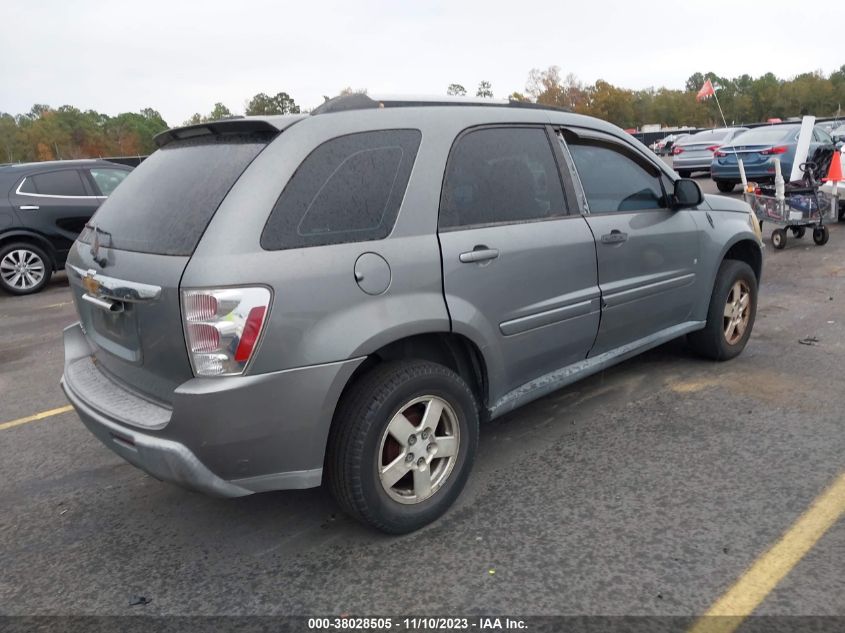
(485, 90)
(263, 104)
(456, 90)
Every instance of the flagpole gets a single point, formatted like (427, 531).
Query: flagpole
(719, 105)
(716, 97)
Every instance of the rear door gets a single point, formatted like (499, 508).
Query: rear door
(56, 203)
(519, 271)
(137, 247)
(647, 253)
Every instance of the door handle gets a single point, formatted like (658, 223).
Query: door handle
(29, 207)
(478, 254)
(614, 237)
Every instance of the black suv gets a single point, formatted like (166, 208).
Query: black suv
(45, 207)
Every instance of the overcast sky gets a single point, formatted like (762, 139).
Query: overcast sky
(181, 57)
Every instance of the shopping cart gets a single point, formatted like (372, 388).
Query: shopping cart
(798, 210)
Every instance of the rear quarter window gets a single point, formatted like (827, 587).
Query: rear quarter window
(349, 189)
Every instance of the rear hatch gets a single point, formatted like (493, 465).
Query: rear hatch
(125, 268)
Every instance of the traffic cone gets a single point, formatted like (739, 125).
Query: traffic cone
(834, 174)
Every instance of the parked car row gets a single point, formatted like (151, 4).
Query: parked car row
(718, 152)
(758, 147)
(45, 207)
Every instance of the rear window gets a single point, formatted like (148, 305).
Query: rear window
(707, 135)
(66, 182)
(349, 189)
(165, 204)
(765, 136)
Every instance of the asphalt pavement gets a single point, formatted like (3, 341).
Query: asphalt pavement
(648, 489)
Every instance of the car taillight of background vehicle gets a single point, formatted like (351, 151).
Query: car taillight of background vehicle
(773, 150)
(720, 153)
(677, 150)
(222, 328)
(713, 149)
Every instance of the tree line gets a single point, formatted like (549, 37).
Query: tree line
(46, 133)
(743, 99)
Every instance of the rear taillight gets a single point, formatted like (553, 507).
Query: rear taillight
(677, 150)
(222, 328)
(720, 154)
(713, 148)
(773, 150)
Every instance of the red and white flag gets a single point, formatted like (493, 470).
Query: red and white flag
(706, 91)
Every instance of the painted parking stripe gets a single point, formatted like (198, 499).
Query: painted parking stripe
(727, 614)
(36, 417)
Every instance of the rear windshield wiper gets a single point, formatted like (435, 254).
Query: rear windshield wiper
(95, 244)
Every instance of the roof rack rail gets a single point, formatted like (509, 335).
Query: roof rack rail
(367, 102)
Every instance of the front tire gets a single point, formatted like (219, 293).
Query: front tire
(402, 444)
(730, 317)
(24, 268)
(725, 186)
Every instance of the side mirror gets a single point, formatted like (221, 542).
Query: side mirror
(687, 193)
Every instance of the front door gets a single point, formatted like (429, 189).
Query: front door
(647, 252)
(519, 271)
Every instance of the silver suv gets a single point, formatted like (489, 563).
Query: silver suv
(270, 303)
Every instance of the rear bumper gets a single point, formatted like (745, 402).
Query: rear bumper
(163, 459)
(225, 437)
(702, 164)
(760, 172)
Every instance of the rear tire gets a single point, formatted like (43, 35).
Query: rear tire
(730, 317)
(24, 268)
(799, 231)
(371, 444)
(725, 186)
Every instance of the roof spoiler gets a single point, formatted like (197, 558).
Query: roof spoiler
(213, 128)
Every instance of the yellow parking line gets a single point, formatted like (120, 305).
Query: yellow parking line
(770, 568)
(37, 416)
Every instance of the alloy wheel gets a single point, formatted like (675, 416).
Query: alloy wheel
(22, 269)
(737, 312)
(419, 449)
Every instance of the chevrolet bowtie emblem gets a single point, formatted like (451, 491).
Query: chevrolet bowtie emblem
(90, 284)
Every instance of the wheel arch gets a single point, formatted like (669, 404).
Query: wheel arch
(30, 237)
(452, 350)
(746, 250)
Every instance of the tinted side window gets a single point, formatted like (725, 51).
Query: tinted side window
(501, 175)
(108, 179)
(349, 189)
(59, 183)
(613, 181)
